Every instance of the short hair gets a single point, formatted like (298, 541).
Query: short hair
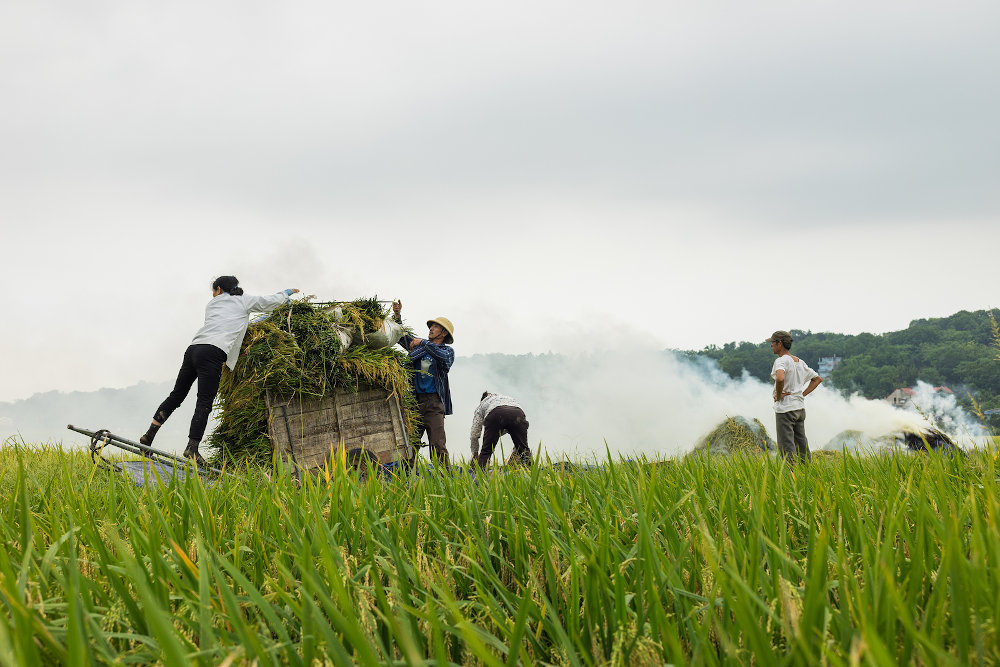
(483, 398)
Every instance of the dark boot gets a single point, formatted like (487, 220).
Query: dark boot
(191, 452)
(147, 437)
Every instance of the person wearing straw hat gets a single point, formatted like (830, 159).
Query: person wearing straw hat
(431, 359)
(793, 381)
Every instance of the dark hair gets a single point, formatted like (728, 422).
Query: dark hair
(485, 394)
(228, 284)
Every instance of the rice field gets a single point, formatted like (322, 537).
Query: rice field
(882, 560)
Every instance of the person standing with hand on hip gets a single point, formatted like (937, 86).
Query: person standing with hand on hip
(793, 381)
(431, 359)
(218, 342)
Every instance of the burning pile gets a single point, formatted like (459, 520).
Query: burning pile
(929, 439)
(310, 350)
(914, 440)
(736, 434)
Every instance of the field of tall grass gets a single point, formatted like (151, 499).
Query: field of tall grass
(888, 559)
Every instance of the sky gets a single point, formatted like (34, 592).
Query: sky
(557, 176)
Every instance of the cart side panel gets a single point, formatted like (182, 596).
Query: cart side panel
(367, 419)
(308, 430)
(303, 429)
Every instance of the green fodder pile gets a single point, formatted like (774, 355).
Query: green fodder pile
(296, 351)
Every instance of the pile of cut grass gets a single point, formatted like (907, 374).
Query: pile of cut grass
(736, 435)
(296, 352)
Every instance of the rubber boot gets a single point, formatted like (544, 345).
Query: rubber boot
(191, 452)
(147, 437)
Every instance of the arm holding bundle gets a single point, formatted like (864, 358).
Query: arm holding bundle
(265, 304)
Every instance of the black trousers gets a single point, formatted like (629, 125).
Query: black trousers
(204, 364)
(510, 419)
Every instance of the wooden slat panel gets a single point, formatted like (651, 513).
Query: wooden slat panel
(307, 429)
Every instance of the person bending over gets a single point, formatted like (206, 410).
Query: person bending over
(499, 414)
(216, 343)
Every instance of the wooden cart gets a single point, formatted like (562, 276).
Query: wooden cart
(367, 426)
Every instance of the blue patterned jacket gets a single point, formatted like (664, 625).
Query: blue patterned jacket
(443, 356)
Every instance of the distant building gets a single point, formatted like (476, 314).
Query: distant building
(901, 397)
(827, 365)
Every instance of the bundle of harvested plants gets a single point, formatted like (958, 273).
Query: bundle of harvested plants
(300, 350)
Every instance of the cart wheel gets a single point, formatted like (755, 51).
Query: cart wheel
(360, 460)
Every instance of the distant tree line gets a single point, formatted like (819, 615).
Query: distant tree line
(960, 352)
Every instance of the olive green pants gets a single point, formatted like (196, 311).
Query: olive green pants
(432, 421)
(791, 431)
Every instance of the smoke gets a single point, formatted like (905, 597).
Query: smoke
(943, 411)
(660, 404)
(627, 401)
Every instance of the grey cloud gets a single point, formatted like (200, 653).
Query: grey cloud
(829, 125)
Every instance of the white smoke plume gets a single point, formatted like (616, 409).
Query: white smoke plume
(943, 411)
(657, 403)
(580, 406)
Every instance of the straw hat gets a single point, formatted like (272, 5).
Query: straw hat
(446, 323)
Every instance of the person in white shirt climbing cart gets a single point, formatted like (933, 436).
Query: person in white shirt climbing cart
(218, 342)
(497, 414)
(793, 381)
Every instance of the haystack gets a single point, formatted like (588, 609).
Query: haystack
(310, 350)
(736, 434)
(929, 439)
(849, 439)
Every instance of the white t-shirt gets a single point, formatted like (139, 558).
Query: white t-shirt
(226, 320)
(797, 377)
(484, 408)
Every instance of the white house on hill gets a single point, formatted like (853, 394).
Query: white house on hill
(901, 397)
(827, 365)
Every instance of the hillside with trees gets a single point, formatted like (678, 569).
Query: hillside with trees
(959, 352)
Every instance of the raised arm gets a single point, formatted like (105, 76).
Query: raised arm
(265, 304)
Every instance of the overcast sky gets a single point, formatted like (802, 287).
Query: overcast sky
(549, 175)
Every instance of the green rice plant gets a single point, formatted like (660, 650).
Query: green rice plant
(882, 559)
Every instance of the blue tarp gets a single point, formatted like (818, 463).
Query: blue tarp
(157, 473)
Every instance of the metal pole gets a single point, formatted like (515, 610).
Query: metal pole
(139, 448)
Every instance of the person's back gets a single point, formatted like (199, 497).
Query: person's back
(497, 414)
(217, 343)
